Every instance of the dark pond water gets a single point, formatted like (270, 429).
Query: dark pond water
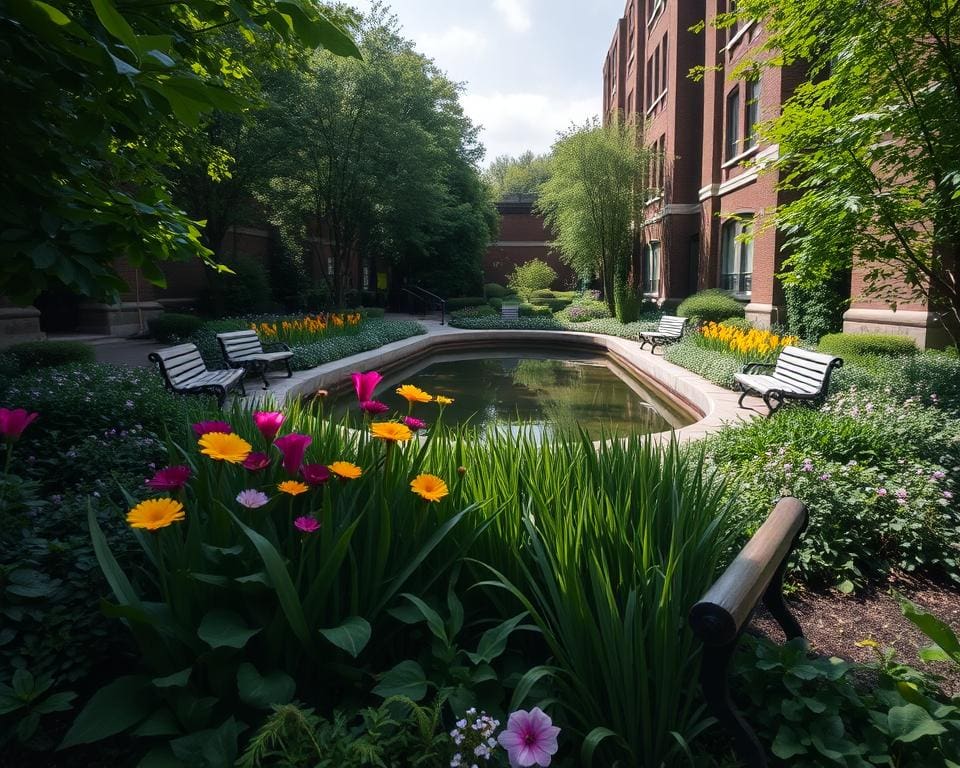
(500, 391)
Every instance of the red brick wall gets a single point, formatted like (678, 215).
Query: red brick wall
(522, 238)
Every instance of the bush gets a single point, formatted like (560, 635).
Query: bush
(247, 290)
(372, 334)
(533, 276)
(531, 310)
(931, 377)
(497, 304)
(498, 323)
(485, 311)
(583, 310)
(852, 346)
(710, 305)
(712, 364)
(610, 326)
(465, 301)
(172, 326)
(496, 291)
(371, 313)
(555, 305)
(9, 370)
(542, 294)
(740, 323)
(46, 354)
(815, 310)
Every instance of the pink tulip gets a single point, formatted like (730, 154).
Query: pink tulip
(374, 407)
(268, 422)
(315, 474)
(169, 478)
(203, 427)
(365, 383)
(256, 461)
(293, 447)
(530, 738)
(13, 422)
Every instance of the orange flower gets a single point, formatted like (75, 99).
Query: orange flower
(154, 514)
(440, 399)
(413, 394)
(429, 487)
(345, 470)
(391, 431)
(293, 487)
(225, 447)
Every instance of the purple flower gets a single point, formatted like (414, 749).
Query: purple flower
(306, 524)
(203, 427)
(414, 424)
(256, 461)
(900, 493)
(938, 475)
(530, 738)
(947, 495)
(315, 474)
(881, 491)
(169, 478)
(787, 467)
(374, 407)
(825, 476)
(293, 447)
(252, 498)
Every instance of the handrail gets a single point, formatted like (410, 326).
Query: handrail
(425, 292)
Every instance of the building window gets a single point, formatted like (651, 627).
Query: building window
(752, 114)
(663, 65)
(649, 82)
(733, 123)
(653, 9)
(329, 265)
(366, 277)
(651, 268)
(736, 258)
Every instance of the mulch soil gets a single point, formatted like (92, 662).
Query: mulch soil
(834, 622)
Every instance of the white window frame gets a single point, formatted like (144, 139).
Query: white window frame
(750, 137)
(736, 256)
(652, 261)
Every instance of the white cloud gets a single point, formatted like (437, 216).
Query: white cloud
(515, 122)
(516, 14)
(453, 43)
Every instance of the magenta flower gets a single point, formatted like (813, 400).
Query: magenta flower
(268, 422)
(14, 421)
(365, 383)
(169, 478)
(293, 446)
(203, 427)
(374, 407)
(414, 424)
(306, 524)
(530, 738)
(256, 461)
(881, 491)
(252, 498)
(315, 474)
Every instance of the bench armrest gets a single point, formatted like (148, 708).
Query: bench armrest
(755, 366)
(276, 345)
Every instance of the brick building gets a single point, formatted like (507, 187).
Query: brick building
(709, 187)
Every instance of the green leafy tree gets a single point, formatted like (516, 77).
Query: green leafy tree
(96, 98)
(535, 275)
(592, 199)
(869, 144)
(521, 175)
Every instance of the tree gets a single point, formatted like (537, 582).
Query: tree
(520, 175)
(96, 100)
(592, 199)
(869, 144)
(535, 275)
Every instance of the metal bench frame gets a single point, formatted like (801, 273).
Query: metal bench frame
(669, 329)
(257, 356)
(798, 374)
(722, 614)
(184, 360)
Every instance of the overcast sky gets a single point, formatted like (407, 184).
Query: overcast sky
(529, 67)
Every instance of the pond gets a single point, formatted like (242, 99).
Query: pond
(501, 391)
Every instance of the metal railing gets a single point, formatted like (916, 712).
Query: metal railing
(428, 299)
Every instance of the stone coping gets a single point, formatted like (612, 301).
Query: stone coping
(712, 406)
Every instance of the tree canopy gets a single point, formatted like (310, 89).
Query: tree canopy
(521, 175)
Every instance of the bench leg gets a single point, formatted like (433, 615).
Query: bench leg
(221, 393)
(773, 400)
(289, 369)
(740, 401)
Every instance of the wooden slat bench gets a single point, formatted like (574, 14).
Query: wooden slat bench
(184, 372)
(798, 374)
(668, 329)
(723, 613)
(243, 349)
(510, 311)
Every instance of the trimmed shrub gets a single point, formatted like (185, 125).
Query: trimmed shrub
(710, 305)
(247, 290)
(465, 301)
(496, 303)
(533, 276)
(712, 364)
(740, 323)
(45, 354)
(555, 305)
(542, 294)
(851, 346)
(584, 310)
(531, 310)
(370, 313)
(498, 323)
(495, 291)
(173, 326)
(483, 311)
(372, 334)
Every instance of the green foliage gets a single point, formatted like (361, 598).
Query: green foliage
(532, 276)
(815, 308)
(853, 346)
(465, 301)
(554, 305)
(713, 364)
(496, 291)
(930, 377)
(171, 327)
(543, 293)
(372, 334)
(31, 355)
(583, 310)
(245, 289)
(711, 305)
(521, 175)
(531, 310)
(472, 312)
(498, 323)
(740, 323)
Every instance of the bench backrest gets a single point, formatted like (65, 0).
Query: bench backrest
(805, 370)
(237, 345)
(179, 364)
(671, 325)
(510, 311)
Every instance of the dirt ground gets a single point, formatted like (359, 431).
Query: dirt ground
(834, 622)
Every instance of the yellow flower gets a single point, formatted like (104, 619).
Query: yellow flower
(293, 487)
(391, 431)
(443, 400)
(413, 394)
(225, 447)
(154, 514)
(429, 487)
(345, 469)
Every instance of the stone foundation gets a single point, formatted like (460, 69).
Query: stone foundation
(765, 315)
(122, 319)
(921, 326)
(18, 324)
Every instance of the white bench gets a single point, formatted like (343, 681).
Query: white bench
(510, 311)
(669, 328)
(184, 372)
(798, 374)
(243, 349)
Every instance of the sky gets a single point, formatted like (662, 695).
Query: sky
(529, 67)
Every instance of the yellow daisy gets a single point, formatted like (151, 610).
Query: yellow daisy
(345, 469)
(154, 514)
(429, 487)
(413, 394)
(391, 431)
(225, 447)
(443, 400)
(293, 487)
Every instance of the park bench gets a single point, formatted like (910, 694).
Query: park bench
(243, 349)
(723, 613)
(184, 372)
(669, 328)
(798, 374)
(510, 311)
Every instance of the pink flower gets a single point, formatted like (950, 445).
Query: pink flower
(414, 424)
(252, 498)
(315, 474)
(268, 422)
(530, 738)
(256, 461)
(13, 422)
(365, 383)
(881, 491)
(293, 446)
(374, 407)
(169, 478)
(203, 427)
(306, 524)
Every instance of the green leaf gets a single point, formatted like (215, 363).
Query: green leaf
(211, 748)
(115, 24)
(115, 576)
(935, 629)
(592, 741)
(263, 691)
(530, 678)
(434, 622)
(352, 635)
(911, 722)
(786, 744)
(493, 642)
(57, 702)
(221, 629)
(405, 679)
(176, 680)
(160, 757)
(114, 708)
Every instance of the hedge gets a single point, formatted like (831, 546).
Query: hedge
(496, 291)
(531, 310)
(465, 301)
(712, 305)
(853, 345)
(172, 326)
(31, 355)
(555, 305)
